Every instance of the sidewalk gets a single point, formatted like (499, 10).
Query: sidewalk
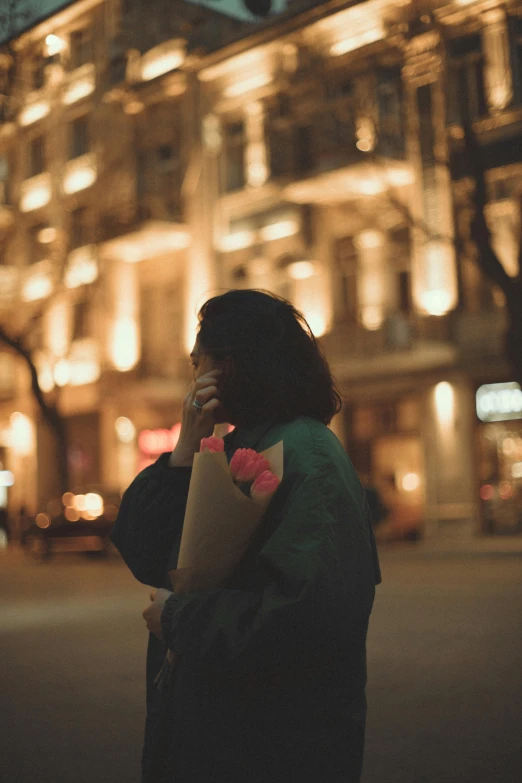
(489, 546)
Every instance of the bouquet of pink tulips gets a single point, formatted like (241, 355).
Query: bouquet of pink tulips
(224, 507)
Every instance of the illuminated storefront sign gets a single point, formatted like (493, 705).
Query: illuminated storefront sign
(499, 402)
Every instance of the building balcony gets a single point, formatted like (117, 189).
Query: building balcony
(349, 182)
(37, 281)
(36, 192)
(79, 84)
(80, 173)
(36, 107)
(403, 344)
(142, 234)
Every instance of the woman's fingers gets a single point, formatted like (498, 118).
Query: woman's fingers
(205, 394)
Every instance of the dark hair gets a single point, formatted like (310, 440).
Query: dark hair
(275, 369)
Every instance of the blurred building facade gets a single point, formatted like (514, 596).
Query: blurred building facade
(149, 159)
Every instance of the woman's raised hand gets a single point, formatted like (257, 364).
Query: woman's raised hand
(197, 423)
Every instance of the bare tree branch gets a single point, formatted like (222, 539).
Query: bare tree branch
(480, 232)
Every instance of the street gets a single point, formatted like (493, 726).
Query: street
(444, 671)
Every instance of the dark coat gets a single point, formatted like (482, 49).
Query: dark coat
(269, 684)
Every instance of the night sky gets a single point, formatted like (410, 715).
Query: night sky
(41, 8)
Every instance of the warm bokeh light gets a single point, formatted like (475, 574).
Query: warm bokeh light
(71, 514)
(7, 478)
(68, 499)
(22, 435)
(58, 327)
(435, 280)
(243, 86)
(54, 44)
(82, 83)
(159, 441)
(43, 520)
(94, 504)
(237, 241)
(34, 112)
(35, 192)
(82, 267)
(80, 174)
(516, 470)
(62, 372)
(486, 492)
(163, 58)
(444, 401)
(279, 230)
(301, 270)
(79, 502)
(125, 430)
(505, 490)
(353, 42)
(125, 351)
(37, 286)
(410, 482)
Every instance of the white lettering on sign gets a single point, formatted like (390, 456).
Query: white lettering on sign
(499, 402)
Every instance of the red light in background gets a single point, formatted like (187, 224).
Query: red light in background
(159, 441)
(506, 490)
(486, 492)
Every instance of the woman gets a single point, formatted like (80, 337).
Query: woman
(269, 684)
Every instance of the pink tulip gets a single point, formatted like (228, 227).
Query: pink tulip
(212, 444)
(264, 487)
(247, 465)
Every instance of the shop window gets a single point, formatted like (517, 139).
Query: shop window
(36, 158)
(466, 86)
(38, 72)
(345, 257)
(80, 231)
(159, 179)
(161, 327)
(80, 48)
(279, 130)
(81, 329)
(304, 144)
(336, 125)
(79, 138)
(37, 249)
(235, 144)
(391, 117)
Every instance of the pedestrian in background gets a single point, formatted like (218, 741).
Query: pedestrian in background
(270, 675)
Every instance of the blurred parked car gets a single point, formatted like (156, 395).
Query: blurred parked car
(80, 521)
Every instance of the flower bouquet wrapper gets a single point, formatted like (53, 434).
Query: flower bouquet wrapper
(219, 523)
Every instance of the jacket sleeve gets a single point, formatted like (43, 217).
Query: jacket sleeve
(147, 531)
(315, 589)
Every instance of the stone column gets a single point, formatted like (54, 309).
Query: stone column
(200, 192)
(495, 40)
(452, 505)
(434, 274)
(123, 341)
(256, 164)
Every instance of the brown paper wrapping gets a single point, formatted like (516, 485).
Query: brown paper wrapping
(219, 523)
